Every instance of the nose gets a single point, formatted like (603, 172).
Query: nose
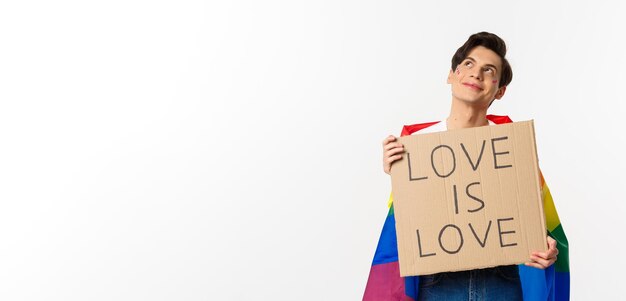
(476, 73)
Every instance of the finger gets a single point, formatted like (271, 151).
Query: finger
(534, 265)
(543, 262)
(393, 158)
(389, 139)
(550, 257)
(393, 151)
(551, 243)
(544, 255)
(552, 253)
(392, 145)
(539, 260)
(388, 161)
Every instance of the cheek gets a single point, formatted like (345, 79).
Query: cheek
(494, 81)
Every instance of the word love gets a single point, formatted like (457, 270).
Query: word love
(454, 230)
(447, 149)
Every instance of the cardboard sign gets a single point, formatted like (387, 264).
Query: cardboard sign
(467, 199)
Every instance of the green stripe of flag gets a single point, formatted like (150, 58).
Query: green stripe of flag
(562, 262)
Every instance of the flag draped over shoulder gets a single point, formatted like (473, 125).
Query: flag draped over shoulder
(385, 283)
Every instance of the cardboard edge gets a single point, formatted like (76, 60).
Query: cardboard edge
(538, 172)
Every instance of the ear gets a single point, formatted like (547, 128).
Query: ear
(500, 92)
(450, 76)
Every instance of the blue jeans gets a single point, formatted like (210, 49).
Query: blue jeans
(499, 283)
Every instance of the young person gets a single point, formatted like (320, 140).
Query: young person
(478, 76)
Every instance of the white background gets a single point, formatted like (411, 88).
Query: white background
(230, 150)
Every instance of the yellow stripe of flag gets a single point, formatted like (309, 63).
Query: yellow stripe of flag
(552, 218)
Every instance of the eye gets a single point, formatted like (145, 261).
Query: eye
(468, 64)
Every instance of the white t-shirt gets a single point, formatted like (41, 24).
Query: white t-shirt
(439, 127)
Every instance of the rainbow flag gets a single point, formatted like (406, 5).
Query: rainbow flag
(385, 283)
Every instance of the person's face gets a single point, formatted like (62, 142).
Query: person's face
(475, 80)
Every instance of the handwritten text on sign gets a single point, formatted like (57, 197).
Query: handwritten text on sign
(461, 197)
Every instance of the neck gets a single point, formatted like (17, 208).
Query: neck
(463, 115)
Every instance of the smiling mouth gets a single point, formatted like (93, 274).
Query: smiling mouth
(473, 87)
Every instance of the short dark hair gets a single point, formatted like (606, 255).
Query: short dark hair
(491, 42)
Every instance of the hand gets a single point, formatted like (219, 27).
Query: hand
(392, 151)
(543, 260)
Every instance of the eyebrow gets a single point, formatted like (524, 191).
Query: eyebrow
(488, 65)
